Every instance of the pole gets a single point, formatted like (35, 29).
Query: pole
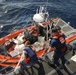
(19, 62)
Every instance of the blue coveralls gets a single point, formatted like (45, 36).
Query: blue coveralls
(57, 53)
(33, 58)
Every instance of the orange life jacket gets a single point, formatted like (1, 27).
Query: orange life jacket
(62, 40)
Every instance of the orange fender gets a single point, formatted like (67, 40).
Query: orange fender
(68, 40)
(12, 65)
(9, 59)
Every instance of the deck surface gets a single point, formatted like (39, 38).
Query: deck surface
(66, 28)
(46, 68)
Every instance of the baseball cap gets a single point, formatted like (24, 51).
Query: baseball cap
(58, 27)
(54, 30)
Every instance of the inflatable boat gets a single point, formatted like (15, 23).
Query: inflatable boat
(42, 21)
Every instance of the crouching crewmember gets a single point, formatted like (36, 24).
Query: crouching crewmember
(28, 52)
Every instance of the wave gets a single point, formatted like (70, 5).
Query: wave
(17, 14)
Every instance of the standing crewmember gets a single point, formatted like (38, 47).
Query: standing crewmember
(28, 52)
(58, 45)
(35, 33)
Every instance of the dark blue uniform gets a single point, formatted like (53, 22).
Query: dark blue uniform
(33, 58)
(59, 44)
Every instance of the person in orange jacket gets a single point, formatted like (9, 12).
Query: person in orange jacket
(58, 45)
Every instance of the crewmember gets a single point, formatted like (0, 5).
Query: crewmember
(35, 30)
(24, 40)
(9, 45)
(35, 33)
(28, 52)
(58, 45)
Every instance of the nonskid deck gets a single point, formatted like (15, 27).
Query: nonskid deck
(65, 27)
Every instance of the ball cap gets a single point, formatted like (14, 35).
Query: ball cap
(54, 30)
(58, 27)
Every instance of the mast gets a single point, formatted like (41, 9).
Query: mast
(46, 4)
(47, 15)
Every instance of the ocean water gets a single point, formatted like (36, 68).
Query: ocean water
(17, 14)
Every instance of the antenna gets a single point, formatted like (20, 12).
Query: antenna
(46, 19)
(40, 10)
(46, 4)
(37, 11)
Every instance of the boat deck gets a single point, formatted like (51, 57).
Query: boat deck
(45, 68)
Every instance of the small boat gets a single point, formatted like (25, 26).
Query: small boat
(43, 21)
